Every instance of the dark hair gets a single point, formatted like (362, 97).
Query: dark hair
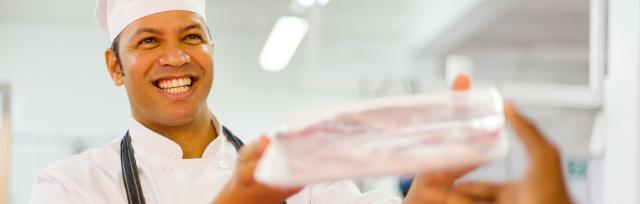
(115, 47)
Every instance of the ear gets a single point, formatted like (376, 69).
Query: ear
(113, 67)
(212, 46)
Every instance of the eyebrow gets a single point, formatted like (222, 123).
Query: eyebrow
(147, 30)
(157, 32)
(192, 26)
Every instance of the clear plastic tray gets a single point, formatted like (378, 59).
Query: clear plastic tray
(392, 136)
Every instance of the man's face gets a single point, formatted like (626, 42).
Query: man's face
(167, 63)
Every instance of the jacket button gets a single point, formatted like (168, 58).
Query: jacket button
(223, 164)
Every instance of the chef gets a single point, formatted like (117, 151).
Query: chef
(174, 149)
(163, 56)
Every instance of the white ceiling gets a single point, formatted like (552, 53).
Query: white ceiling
(51, 52)
(535, 40)
(540, 22)
(361, 36)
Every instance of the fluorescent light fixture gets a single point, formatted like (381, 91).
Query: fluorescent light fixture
(282, 43)
(306, 3)
(309, 3)
(323, 2)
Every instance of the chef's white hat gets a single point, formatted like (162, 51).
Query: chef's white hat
(114, 15)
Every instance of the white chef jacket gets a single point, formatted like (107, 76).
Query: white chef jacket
(95, 176)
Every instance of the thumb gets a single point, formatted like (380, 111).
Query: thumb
(536, 145)
(254, 150)
(462, 82)
(249, 157)
(479, 190)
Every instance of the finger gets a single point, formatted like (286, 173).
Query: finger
(290, 191)
(479, 190)
(459, 172)
(454, 198)
(263, 143)
(248, 152)
(254, 150)
(446, 197)
(247, 163)
(462, 82)
(535, 143)
(436, 195)
(248, 160)
(444, 178)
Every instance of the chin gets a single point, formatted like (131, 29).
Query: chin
(179, 117)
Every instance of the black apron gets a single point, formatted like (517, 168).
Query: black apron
(130, 169)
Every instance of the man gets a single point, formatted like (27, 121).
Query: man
(175, 150)
(163, 56)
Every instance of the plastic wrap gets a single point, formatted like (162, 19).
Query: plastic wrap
(392, 136)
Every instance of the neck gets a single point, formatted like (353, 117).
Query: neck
(193, 138)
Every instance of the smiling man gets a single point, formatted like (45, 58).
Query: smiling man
(176, 151)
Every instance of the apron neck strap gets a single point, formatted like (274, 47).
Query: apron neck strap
(130, 169)
(130, 172)
(233, 139)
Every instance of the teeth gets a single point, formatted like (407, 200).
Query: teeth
(174, 83)
(177, 90)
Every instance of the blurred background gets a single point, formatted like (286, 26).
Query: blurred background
(572, 65)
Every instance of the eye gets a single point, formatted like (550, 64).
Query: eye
(193, 39)
(148, 42)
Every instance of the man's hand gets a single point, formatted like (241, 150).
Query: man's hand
(243, 188)
(542, 183)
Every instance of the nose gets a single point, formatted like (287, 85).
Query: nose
(175, 57)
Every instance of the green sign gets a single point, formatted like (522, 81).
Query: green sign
(577, 168)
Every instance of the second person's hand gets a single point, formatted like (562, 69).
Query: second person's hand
(543, 181)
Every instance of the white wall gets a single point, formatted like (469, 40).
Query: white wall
(64, 101)
(622, 104)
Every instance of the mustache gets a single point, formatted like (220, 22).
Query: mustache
(176, 72)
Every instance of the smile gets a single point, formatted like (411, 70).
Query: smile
(175, 86)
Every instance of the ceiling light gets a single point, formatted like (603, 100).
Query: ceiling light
(282, 43)
(306, 3)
